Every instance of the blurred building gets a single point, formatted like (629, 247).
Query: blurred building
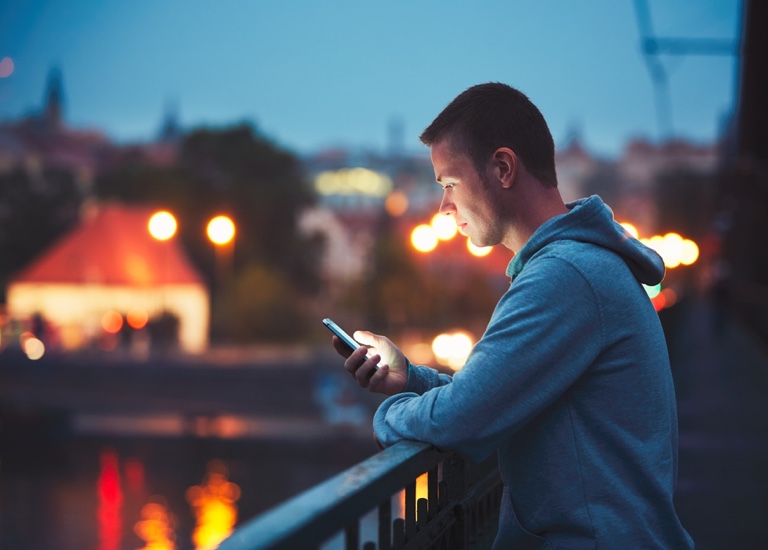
(360, 192)
(357, 193)
(43, 139)
(363, 193)
(109, 276)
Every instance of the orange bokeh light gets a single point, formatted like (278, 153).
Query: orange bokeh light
(396, 204)
(137, 318)
(112, 322)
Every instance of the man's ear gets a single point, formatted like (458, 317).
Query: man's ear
(505, 165)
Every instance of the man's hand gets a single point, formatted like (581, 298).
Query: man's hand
(392, 374)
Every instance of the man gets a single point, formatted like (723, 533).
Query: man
(570, 385)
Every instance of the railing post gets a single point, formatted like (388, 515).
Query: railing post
(459, 512)
(385, 525)
(455, 482)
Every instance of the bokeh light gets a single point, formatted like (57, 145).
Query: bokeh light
(396, 204)
(673, 249)
(452, 349)
(670, 297)
(6, 67)
(689, 253)
(478, 251)
(162, 225)
(652, 291)
(423, 238)
(33, 347)
(631, 229)
(221, 230)
(659, 302)
(671, 246)
(444, 227)
(353, 181)
(112, 322)
(137, 318)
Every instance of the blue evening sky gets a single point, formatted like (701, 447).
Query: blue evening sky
(314, 74)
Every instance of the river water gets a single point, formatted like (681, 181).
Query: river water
(80, 491)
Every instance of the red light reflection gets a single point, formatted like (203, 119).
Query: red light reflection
(134, 475)
(110, 501)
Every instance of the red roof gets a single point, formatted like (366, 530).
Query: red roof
(112, 246)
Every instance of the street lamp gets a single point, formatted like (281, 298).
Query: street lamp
(221, 232)
(162, 225)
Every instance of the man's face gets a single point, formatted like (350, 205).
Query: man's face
(467, 195)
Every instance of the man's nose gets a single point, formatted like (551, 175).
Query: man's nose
(447, 206)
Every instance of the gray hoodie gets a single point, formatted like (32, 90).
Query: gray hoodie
(571, 386)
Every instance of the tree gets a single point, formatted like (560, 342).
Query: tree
(36, 207)
(264, 306)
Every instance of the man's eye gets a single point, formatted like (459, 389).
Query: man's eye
(447, 186)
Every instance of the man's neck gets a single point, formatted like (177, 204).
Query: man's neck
(537, 205)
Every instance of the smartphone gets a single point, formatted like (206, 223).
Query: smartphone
(343, 336)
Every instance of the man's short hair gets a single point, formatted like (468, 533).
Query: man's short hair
(488, 116)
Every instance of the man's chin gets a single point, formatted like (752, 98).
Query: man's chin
(477, 244)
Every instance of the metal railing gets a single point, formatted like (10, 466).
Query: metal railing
(410, 495)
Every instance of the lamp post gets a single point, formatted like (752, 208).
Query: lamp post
(221, 232)
(162, 226)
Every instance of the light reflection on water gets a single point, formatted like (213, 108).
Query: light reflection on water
(110, 492)
(214, 504)
(127, 493)
(157, 526)
(224, 426)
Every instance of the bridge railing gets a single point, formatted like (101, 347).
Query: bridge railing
(410, 495)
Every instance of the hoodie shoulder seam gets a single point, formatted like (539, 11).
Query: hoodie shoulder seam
(553, 255)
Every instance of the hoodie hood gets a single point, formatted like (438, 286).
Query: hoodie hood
(590, 220)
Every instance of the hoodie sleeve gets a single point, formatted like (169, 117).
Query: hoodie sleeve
(421, 379)
(544, 334)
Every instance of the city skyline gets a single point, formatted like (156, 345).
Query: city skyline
(362, 76)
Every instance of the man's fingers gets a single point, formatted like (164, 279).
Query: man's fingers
(354, 360)
(367, 370)
(340, 347)
(377, 377)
